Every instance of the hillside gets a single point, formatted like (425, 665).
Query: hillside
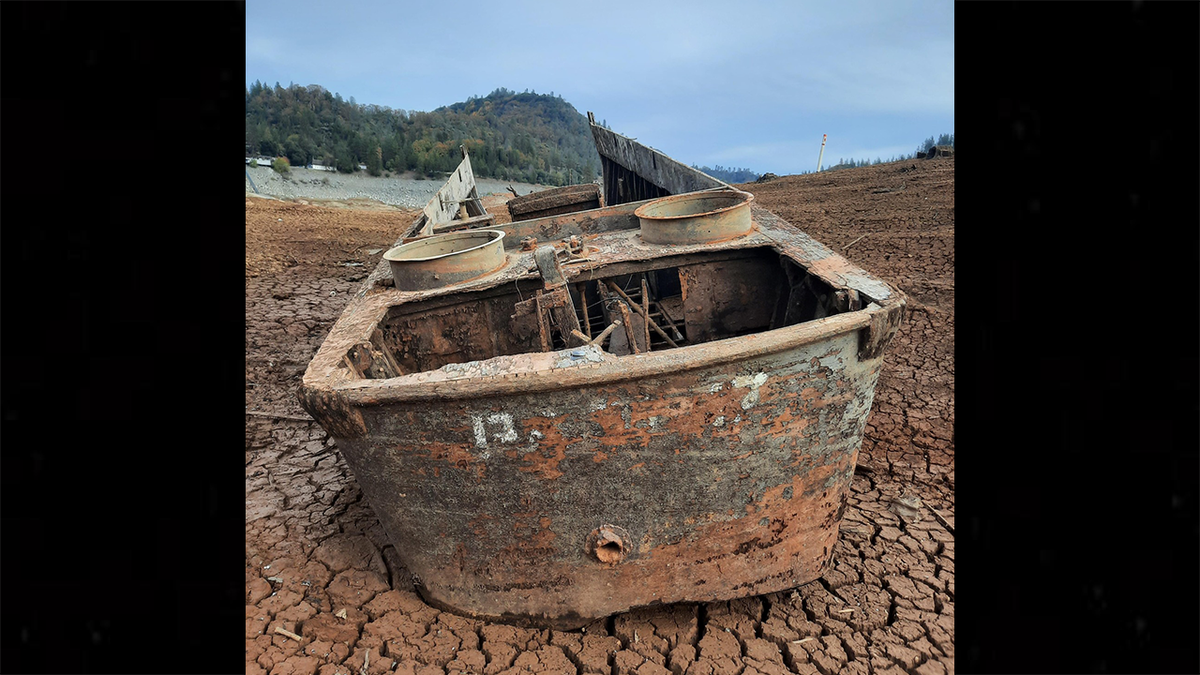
(528, 137)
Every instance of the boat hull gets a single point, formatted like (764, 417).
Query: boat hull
(720, 472)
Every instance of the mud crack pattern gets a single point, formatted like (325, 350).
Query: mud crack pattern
(319, 567)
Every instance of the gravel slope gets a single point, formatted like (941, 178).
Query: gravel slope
(405, 192)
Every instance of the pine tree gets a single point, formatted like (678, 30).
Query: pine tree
(375, 162)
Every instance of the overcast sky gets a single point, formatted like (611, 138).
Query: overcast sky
(751, 84)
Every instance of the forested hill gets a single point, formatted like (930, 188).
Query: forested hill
(528, 137)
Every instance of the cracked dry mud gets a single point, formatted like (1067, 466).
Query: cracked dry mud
(319, 566)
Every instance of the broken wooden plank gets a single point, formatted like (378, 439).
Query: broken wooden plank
(486, 220)
(621, 155)
(288, 633)
(444, 205)
(275, 416)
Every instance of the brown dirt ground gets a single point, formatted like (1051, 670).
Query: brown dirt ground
(318, 564)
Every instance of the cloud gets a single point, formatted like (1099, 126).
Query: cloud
(753, 86)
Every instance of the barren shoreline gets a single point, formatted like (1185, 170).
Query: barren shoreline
(401, 190)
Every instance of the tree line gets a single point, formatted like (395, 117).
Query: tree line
(922, 149)
(729, 174)
(528, 137)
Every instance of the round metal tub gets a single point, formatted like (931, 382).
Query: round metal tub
(696, 218)
(446, 259)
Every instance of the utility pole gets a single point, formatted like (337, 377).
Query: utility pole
(822, 155)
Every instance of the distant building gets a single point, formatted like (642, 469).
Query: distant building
(362, 167)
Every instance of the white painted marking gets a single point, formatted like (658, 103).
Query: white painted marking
(480, 434)
(753, 383)
(507, 433)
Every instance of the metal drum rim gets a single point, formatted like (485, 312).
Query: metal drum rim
(449, 235)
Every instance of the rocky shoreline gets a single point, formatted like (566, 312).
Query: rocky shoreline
(403, 190)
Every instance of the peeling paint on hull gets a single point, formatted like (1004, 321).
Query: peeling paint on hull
(498, 528)
(552, 487)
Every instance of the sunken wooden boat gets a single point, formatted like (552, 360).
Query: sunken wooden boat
(656, 401)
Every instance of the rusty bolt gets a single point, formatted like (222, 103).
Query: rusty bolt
(608, 544)
(575, 244)
(528, 243)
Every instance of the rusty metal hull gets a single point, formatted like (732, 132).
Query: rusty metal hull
(704, 454)
(723, 481)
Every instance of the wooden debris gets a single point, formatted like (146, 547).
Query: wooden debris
(638, 308)
(599, 339)
(670, 322)
(581, 289)
(630, 330)
(854, 242)
(800, 642)
(907, 506)
(941, 519)
(276, 416)
(288, 633)
(486, 220)
(646, 312)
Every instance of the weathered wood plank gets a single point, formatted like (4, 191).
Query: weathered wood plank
(554, 228)
(459, 189)
(486, 220)
(650, 165)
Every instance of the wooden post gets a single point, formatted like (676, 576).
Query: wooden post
(646, 310)
(628, 321)
(587, 322)
(599, 339)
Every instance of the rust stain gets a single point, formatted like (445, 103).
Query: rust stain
(547, 448)
(575, 476)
